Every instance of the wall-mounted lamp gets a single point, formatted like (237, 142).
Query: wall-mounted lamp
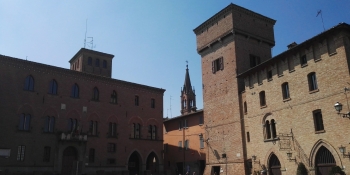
(289, 154)
(338, 106)
(342, 150)
(254, 158)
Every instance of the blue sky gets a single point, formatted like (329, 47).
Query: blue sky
(150, 39)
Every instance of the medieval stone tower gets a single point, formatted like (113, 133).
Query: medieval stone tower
(229, 43)
(188, 96)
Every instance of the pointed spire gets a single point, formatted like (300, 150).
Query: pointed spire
(187, 85)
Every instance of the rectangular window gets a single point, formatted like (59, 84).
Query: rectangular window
(97, 62)
(318, 121)
(91, 155)
(112, 129)
(186, 144)
(269, 75)
(93, 128)
(166, 147)
(279, 68)
(248, 137)
(312, 81)
(136, 100)
(290, 64)
(285, 91)
(251, 84)
(180, 125)
(254, 61)
(217, 65)
(303, 60)
(104, 64)
(20, 153)
(153, 103)
(47, 151)
(185, 123)
(201, 142)
(111, 147)
(201, 120)
(331, 46)
(262, 98)
(180, 145)
(259, 77)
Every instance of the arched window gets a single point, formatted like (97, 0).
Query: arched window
(29, 83)
(136, 131)
(75, 91)
(49, 124)
(273, 128)
(53, 87)
(152, 130)
(270, 129)
(93, 128)
(73, 125)
(285, 91)
(112, 129)
(24, 122)
(114, 97)
(96, 94)
(312, 81)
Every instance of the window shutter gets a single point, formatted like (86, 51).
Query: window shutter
(221, 60)
(213, 67)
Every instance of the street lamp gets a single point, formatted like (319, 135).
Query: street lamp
(338, 107)
(342, 150)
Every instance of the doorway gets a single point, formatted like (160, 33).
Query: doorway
(70, 155)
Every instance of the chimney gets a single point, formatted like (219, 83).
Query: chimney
(292, 45)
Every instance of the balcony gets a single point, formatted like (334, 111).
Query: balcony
(76, 137)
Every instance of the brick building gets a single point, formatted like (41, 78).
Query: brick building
(265, 114)
(59, 121)
(184, 148)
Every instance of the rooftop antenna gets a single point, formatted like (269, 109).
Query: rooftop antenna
(91, 42)
(171, 115)
(318, 13)
(85, 34)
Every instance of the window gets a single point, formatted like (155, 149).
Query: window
(291, 64)
(180, 125)
(318, 121)
(89, 61)
(153, 103)
(217, 65)
(262, 98)
(97, 62)
(136, 100)
(20, 153)
(47, 151)
(201, 142)
(270, 129)
(24, 122)
(53, 87)
(248, 137)
(165, 147)
(245, 107)
(91, 155)
(180, 145)
(104, 64)
(185, 123)
(96, 94)
(49, 124)
(312, 81)
(75, 91)
(303, 60)
(29, 83)
(187, 144)
(152, 130)
(111, 147)
(136, 131)
(114, 97)
(93, 128)
(72, 125)
(254, 61)
(269, 75)
(285, 91)
(112, 129)
(201, 120)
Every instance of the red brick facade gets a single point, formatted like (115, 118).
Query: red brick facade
(105, 132)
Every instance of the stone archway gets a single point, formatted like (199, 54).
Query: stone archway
(135, 163)
(152, 164)
(274, 165)
(70, 155)
(324, 161)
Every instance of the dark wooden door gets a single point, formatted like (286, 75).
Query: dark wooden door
(324, 161)
(274, 165)
(69, 157)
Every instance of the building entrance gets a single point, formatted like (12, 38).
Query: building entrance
(324, 161)
(134, 163)
(70, 156)
(274, 165)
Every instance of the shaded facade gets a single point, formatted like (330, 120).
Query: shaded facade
(59, 121)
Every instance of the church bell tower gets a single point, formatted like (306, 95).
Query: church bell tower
(188, 96)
